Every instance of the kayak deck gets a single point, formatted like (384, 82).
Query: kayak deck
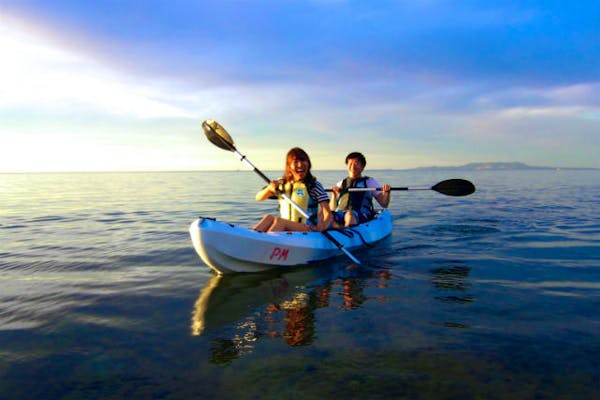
(228, 248)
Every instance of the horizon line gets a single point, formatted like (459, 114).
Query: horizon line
(462, 167)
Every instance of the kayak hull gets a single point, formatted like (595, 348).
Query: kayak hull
(228, 248)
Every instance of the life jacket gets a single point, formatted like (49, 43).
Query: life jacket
(299, 192)
(361, 202)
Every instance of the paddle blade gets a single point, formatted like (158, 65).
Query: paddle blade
(217, 135)
(454, 187)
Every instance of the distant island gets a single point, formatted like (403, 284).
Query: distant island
(482, 166)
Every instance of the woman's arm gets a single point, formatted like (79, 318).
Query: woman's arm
(335, 190)
(325, 217)
(268, 191)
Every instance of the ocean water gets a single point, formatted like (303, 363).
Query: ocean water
(491, 296)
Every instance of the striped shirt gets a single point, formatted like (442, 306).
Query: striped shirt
(317, 192)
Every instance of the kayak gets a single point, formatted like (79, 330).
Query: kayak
(228, 248)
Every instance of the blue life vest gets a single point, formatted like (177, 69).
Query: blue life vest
(360, 201)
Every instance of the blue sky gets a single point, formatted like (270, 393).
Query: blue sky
(125, 85)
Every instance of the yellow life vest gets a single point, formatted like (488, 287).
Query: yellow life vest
(300, 195)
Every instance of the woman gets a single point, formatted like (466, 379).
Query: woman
(304, 189)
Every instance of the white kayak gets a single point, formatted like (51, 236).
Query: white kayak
(228, 248)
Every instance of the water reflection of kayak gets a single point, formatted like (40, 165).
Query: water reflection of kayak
(236, 311)
(226, 300)
(230, 248)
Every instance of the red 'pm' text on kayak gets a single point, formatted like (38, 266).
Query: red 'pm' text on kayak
(279, 254)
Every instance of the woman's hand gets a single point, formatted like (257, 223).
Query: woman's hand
(273, 187)
(268, 191)
(324, 218)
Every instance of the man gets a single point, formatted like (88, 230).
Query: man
(355, 207)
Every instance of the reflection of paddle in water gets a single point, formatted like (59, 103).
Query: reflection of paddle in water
(453, 278)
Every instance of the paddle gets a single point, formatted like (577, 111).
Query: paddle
(220, 138)
(450, 187)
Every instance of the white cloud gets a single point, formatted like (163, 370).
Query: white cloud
(549, 111)
(37, 74)
(579, 93)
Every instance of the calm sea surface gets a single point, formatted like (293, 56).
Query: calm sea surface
(491, 296)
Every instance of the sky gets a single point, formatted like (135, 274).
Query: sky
(124, 85)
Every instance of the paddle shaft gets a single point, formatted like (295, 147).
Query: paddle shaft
(378, 189)
(449, 187)
(265, 178)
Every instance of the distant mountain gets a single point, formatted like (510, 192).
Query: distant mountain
(500, 165)
(478, 166)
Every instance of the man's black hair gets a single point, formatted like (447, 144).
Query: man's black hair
(358, 156)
